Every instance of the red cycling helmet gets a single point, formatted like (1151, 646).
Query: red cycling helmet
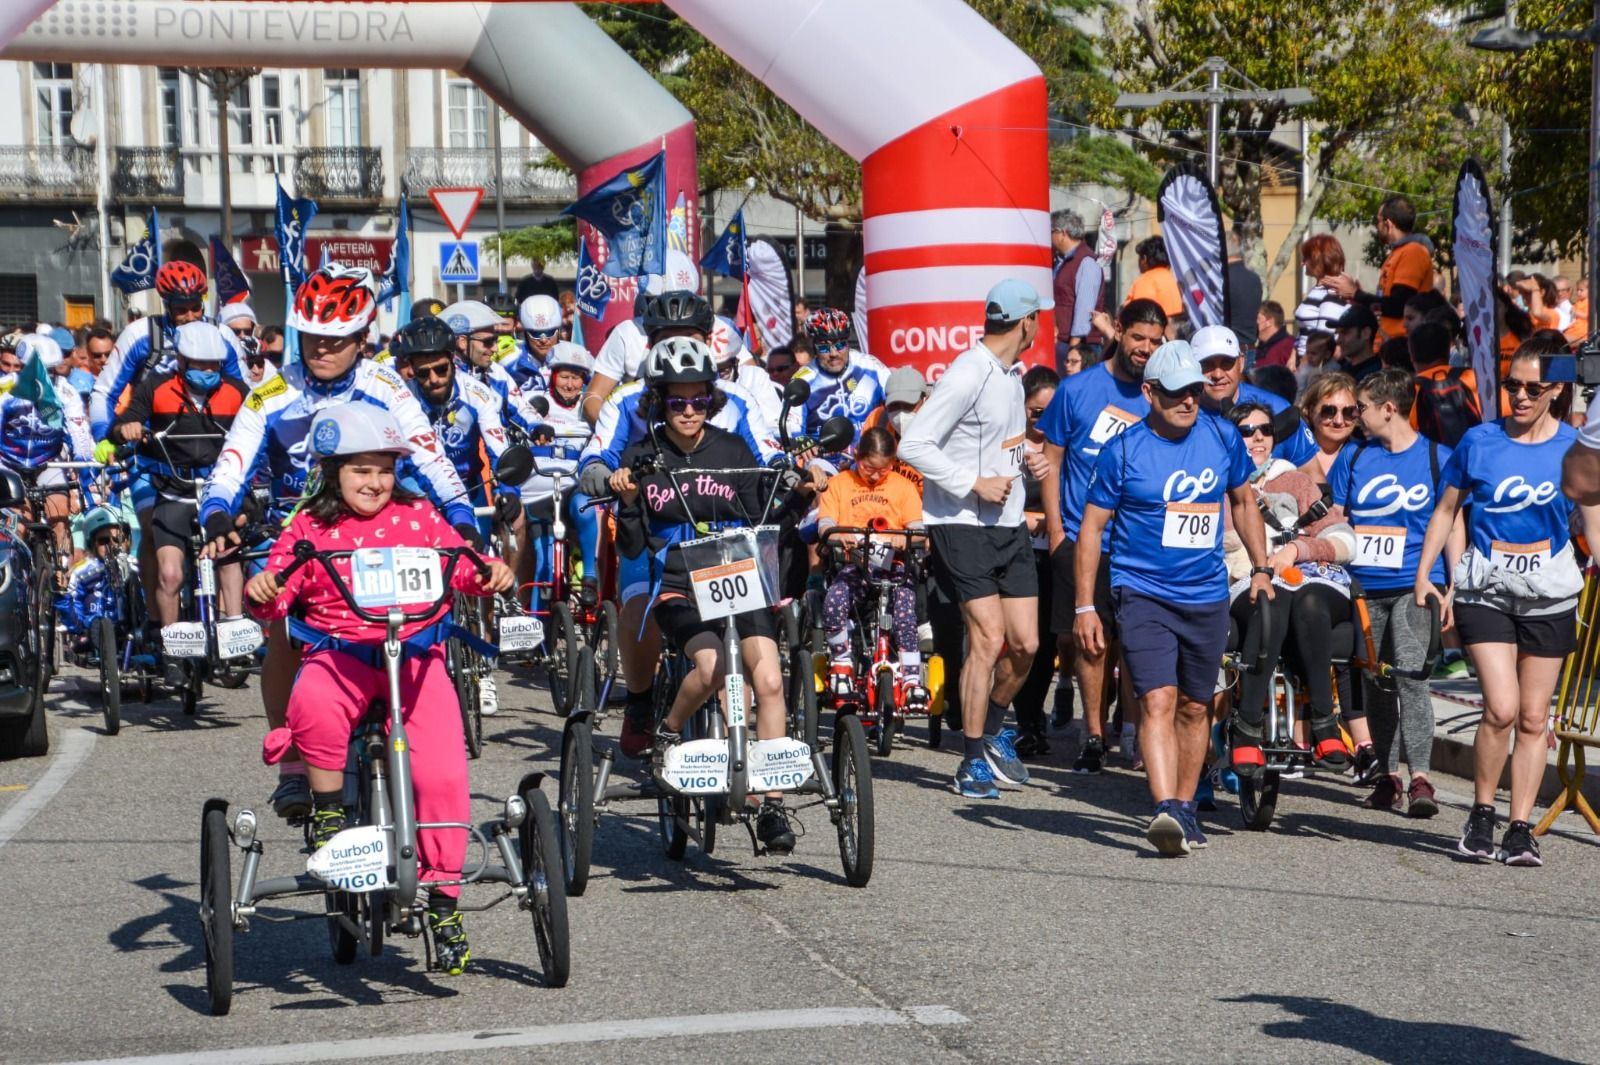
(336, 301)
(179, 280)
(828, 324)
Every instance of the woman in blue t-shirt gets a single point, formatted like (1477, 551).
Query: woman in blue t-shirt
(1515, 590)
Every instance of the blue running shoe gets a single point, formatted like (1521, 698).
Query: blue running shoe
(1205, 796)
(1167, 832)
(1191, 825)
(975, 781)
(1001, 753)
(1227, 778)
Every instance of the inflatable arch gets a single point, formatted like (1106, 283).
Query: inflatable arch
(945, 114)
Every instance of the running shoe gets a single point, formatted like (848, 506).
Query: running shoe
(589, 593)
(449, 942)
(664, 742)
(325, 824)
(1032, 745)
(1130, 747)
(1388, 795)
(974, 780)
(1421, 801)
(636, 731)
(1451, 667)
(1093, 756)
(488, 698)
(172, 672)
(1205, 794)
(917, 699)
(773, 829)
(1189, 814)
(1368, 766)
(842, 680)
(1061, 716)
(1001, 753)
(292, 797)
(1167, 831)
(1477, 838)
(1517, 846)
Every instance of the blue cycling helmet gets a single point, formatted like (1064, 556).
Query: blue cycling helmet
(99, 520)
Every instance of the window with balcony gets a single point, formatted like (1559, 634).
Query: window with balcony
(466, 115)
(52, 103)
(342, 107)
(169, 95)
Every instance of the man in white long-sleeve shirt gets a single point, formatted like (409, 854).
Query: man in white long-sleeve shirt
(967, 442)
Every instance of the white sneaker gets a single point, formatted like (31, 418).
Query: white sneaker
(488, 700)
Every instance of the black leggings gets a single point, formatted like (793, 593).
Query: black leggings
(1302, 623)
(1251, 705)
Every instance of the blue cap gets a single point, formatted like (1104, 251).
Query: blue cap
(1174, 367)
(63, 337)
(1010, 301)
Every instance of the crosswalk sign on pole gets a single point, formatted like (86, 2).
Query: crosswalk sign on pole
(458, 263)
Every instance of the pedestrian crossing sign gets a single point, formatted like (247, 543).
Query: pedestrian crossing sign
(458, 263)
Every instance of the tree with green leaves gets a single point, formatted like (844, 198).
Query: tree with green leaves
(1392, 85)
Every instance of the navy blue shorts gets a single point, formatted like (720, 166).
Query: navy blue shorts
(1168, 645)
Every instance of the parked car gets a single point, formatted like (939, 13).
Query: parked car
(23, 730)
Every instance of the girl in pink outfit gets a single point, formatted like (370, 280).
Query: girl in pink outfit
(358, 505)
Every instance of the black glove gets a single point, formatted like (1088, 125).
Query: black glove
(218, 524)
(507, 507)
(470, 534)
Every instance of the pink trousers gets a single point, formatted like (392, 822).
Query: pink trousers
(331, 694)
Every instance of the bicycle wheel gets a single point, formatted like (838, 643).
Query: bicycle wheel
(340, 939)
(885, 712)
(935, 730)
(216, 906)
(576, 804)
(458, 660)
(852, 778)
(561, 657)
(193, 686)
(1258, 805)
(803, 713)
(547, 894)
(105, 644)
(44, 608)
(585, 697)
(607, 661)
(672, 811)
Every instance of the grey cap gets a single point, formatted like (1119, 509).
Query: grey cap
(905, 385)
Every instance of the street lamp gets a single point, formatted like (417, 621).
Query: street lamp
(1521, 39)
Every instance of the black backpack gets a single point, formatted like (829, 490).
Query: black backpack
(1446, 408)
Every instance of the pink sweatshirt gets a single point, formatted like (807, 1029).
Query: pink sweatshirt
(414, 524)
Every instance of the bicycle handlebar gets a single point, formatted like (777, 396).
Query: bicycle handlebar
(305, 551)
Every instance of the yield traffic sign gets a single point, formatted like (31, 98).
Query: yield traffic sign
(457, 206)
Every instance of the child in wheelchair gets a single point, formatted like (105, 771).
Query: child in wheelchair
(88, 594)
(872, 494)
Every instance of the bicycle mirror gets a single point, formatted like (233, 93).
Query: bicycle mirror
(515, 465)
(836, 434)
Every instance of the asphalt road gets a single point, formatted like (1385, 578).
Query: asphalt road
(1037, 928)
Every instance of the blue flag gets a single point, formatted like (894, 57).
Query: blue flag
(232, 285)
(294, 218)
(34, 385)
(139, 265)
(726, 256)
(396, 280)
(593, 291)
(631, 211)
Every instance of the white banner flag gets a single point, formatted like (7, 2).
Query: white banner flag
(859, 315)
(771, 301)
(1191, 225)
(1475, 253)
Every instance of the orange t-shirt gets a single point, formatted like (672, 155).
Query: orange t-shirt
(1161, 285)
(1410, 265)
(852, 503)
(1578, 331)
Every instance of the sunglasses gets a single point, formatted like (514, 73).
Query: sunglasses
(551, 335)
(681, 404)
(1248, 431)
(1220, 362)
(255, 363)
(1328, 411)
(1034, 413)
(1188, 392)
(1534, 389)
(827, 346)
(428, 372)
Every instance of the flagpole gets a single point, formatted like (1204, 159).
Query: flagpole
(103, 190)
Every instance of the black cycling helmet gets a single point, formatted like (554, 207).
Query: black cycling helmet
(424, 336)
(503, 303)
(678, 309)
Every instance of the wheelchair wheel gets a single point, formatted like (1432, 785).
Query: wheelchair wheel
(547, 894)
(458, 660)
(561, 657)
(105, 642)
(576, 804)
(1258, 805)
(340, 939)
(605, 644)
(216, 906)
(852, 779)
(885, 713)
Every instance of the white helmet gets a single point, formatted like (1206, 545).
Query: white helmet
(1211, 341)
(725, 342)
(354, 429)
(45, 348)
(469, 316)
(540, 314)
(570, 357)
(202, 342)
(679, 360)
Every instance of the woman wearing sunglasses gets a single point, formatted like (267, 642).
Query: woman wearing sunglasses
(1329, 408)
(1515, 590)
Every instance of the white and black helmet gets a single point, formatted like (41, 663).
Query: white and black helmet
(679, 361)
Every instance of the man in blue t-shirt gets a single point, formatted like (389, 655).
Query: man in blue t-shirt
(1161, 485)
(1217, 350)
(1388, 488)
(1089, 410)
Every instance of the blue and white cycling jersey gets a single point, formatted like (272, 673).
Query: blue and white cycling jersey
(88, 595)
(620, 425)
(514, 406)
(855, 394)
(27, 441)
(470, 416)
(127, 362)
(527, 370)
(275, 422)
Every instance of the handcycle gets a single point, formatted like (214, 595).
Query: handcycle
(368, 875)
(1287, 699)
(880, 692)
(49, 563)
(704, 781)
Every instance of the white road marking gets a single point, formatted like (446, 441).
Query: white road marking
(75, 747)
(555, 1035)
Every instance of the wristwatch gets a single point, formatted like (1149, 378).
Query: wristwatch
(1268, 570)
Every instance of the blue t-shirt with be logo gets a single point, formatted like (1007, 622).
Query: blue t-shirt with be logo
(1519, 516)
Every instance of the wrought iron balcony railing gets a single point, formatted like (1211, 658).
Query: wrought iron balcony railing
(332, 174)
(531, 175)
(140, 175)
(47, 172)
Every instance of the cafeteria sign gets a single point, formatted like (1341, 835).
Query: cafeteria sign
(372, 253)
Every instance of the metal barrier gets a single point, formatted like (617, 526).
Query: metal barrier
(1577, 719)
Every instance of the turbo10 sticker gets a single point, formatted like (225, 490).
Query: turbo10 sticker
(699, 767)
(782, 764)
(184, 639)
(356, 859)
(520, 634)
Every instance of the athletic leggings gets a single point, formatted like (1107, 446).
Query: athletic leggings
(1302, 623)
(847, 587)
(1251, 705)
(1400, 632)
(331, 694)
